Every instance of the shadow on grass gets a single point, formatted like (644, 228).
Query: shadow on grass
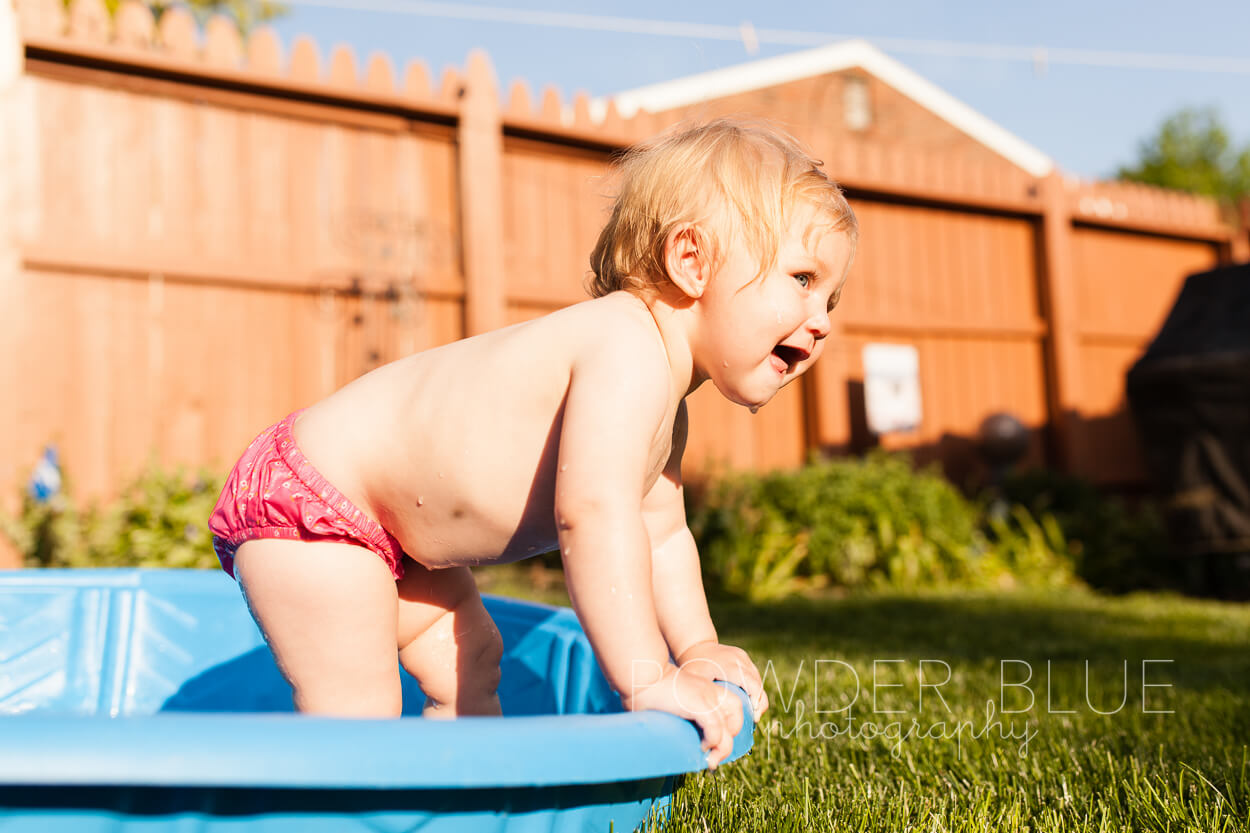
(1206, 642)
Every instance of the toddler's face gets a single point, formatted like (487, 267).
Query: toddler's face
(762, 333)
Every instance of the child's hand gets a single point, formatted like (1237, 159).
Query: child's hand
(725, 662)
(716, 710)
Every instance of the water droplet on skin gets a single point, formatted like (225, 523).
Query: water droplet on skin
(755, 409)
(613, 591)
(440, 474)
(725, 363)
(564, 467)
(779, 317)
(420, 501)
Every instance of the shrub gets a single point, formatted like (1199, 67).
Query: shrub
(871, 522)
(1030, 550)
(160, 520)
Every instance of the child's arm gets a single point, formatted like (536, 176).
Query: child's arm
(617, 399)
(680, 601)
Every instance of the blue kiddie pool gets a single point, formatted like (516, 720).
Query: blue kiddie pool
(146, 700)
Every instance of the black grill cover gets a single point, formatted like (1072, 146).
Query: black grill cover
(1190, 398)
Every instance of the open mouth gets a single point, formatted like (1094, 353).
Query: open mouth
(789, 356)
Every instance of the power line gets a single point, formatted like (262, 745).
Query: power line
(743, 33)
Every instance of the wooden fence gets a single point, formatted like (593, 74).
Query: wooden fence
(202, 236)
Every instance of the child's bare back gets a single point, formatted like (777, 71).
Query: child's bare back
(455, 450)
(351, 526)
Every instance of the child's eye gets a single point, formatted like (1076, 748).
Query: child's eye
(804, 279)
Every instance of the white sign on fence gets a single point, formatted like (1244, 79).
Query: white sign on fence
(892, 387)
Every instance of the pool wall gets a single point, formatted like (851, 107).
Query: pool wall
(146, 699)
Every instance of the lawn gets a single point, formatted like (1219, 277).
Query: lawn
(1008, 734)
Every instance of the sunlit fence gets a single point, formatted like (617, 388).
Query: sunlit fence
(205, 234)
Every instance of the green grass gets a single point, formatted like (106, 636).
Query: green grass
(1188, 770)
(1130, 770)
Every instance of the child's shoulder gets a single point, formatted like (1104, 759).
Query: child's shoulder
(619, 323)
(616, 336)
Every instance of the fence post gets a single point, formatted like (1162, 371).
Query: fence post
(481, 198)
(1063, 360)
(1239, 246)
(11, 121)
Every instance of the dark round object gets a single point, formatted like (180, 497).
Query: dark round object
(1003, 439)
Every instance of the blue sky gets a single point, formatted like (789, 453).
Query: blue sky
(1088, 118)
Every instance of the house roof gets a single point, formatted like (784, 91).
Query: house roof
(835, 57)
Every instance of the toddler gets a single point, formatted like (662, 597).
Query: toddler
(351, 525)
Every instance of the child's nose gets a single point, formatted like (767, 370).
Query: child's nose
(819, 324)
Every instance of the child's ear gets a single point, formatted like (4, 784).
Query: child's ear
(687, 259)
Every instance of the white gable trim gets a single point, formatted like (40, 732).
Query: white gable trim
(782, 69)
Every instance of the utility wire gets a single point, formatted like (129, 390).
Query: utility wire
(1037, 55)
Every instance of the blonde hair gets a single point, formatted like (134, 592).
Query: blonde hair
(724, 177)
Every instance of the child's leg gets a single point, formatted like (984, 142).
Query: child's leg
(448, 641)
(328, 612)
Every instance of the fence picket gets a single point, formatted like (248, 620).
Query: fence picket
(177, 34)
(551, 107)
(343, 66)
(305, 60)
(41, 18)
(581, 111)
(380, 73)
(134, 25)
(519, 99)
(450, 85)
(264, 52)
(612, 123)
(89, 21)
(223, 45)
(417, 80)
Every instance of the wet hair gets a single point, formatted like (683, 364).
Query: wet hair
(726, 177)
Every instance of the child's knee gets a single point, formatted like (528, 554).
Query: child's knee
(478, 646)
(489, 653)
(456, 660)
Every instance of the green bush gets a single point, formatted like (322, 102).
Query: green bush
(871, 522)
(160, 520)
(1033, 551)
